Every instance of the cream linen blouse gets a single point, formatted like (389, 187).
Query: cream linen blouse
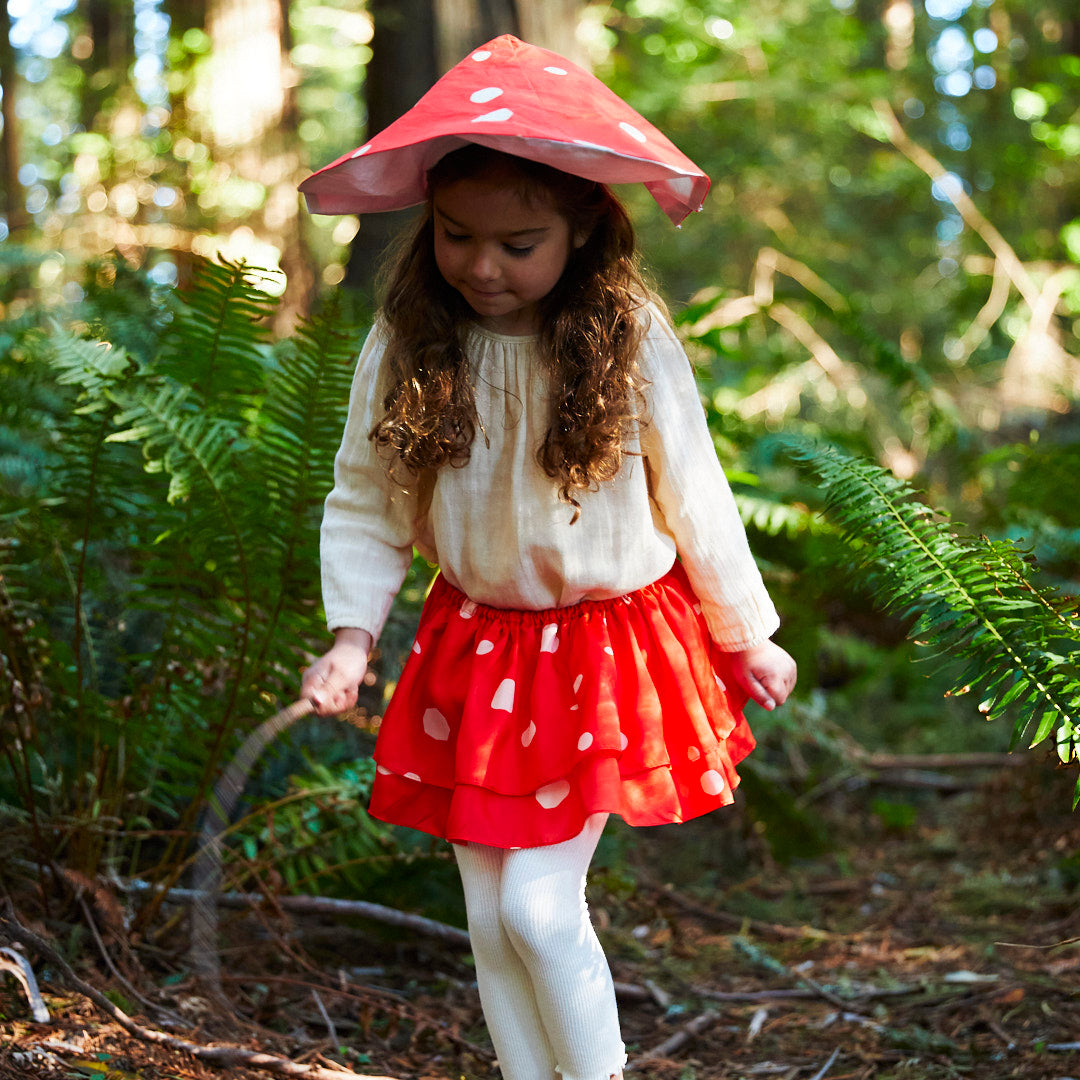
(496, 526)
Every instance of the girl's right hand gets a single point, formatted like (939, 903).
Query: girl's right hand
(332, 682)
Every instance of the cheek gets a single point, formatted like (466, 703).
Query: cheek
(442, 259)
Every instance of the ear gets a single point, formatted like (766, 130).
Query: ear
(581, 238)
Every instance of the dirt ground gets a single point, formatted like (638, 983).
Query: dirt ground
(932, 935)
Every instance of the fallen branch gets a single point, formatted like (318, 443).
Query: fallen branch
(739, 922)
(16, 964)
(215, 1055)
(318, 905)
(797, 994)
(681, 1037)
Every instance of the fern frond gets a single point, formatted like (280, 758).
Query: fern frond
(194, 449)
(773, 518)
(970, 599)
(217, 341)
(293, 448)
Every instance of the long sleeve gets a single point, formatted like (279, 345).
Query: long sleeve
(692, 493)
(369, 523)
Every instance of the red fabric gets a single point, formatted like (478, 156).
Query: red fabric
(510, 728)
(521, 99)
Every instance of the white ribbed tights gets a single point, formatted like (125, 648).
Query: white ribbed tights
(544, 982)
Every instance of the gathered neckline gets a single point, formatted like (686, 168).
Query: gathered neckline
(509, 339)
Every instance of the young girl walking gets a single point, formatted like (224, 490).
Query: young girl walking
(524, 415)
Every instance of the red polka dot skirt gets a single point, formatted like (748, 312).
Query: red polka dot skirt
(510, 728)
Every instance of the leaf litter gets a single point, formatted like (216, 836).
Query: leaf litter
(945, 946)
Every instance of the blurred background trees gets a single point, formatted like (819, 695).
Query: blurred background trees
(888, 261)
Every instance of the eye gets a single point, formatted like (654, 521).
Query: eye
(519, 252)
(455, 238)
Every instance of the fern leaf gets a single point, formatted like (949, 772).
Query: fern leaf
(217, 342)
(971, 599)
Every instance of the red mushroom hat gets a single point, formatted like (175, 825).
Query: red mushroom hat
(520, 99)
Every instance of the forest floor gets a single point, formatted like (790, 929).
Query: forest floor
(931, 936)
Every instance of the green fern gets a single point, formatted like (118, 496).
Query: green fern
(217, 343)
(970, 600)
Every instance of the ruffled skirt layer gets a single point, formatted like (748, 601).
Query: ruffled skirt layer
(510, 728)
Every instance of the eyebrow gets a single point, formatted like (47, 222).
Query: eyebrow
(517, 232)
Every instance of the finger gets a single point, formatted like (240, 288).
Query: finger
(778, 687)
(757, 690)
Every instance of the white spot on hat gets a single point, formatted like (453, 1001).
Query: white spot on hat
(416, 647)
(528, 734)
(577, 683)
(550, 795)
(489, 93)
(585, 741)
(632, 131)
(484, 647)
(468, 609)
(411, 776)
(697, 609)
(683, 186)
(361, 151)
(624, 742)
(719, 682)
(382, 770)
(712, 782)
(496, 117)
(481, 54)
(504, 696)
(436, 726)
(609, 650)
(555, 70)
(693, 753)
(549, 638)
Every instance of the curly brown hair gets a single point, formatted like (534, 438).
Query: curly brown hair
(589, 333)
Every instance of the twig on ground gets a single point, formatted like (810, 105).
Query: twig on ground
(17, 964)
(690, 1029)
(763, 959)
(803, 994)
(827, 1066)
(330, 1029)
(738, 922)
(376, 995)
(320, 905)
(217, 1055)
(122, 979)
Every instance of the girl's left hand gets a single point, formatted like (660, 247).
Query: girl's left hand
(766, 672)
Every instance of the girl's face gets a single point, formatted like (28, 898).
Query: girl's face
(501, 252)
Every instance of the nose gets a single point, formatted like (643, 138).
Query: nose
(483, 266)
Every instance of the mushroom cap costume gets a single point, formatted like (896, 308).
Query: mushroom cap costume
(521, 99)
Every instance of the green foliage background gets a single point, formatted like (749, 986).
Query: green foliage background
(867, 348)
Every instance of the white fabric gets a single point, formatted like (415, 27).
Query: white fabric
(544, 982)
(496, 526)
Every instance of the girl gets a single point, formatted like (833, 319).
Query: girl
(523, 414)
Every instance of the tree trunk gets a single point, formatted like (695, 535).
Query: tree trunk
(249, 108)
(414, 41)
(110, 27)
(401, 70)
(14, 210)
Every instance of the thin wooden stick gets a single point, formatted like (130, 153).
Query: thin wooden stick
(319, 905)
(687, 1032)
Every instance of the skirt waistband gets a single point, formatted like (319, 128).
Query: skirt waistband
(443, 592)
